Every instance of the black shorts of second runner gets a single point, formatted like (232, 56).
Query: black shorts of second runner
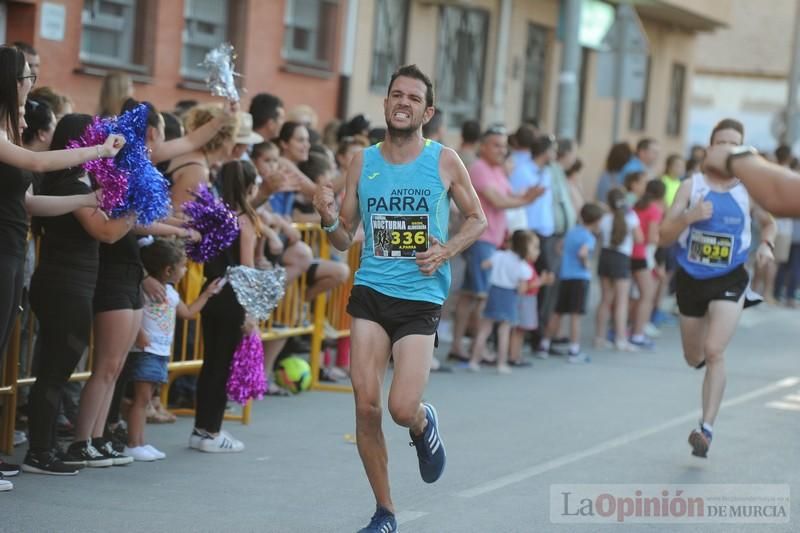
(572, 296)
(398, 317)
(695, 295)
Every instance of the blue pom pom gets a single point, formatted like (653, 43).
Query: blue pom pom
(148, 190)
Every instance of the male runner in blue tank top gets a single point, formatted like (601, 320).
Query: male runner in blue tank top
(400, 189)
(710, 219)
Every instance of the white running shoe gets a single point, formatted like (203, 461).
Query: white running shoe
(140, 453)
(155, 452)
(5, 485)
(222, 443)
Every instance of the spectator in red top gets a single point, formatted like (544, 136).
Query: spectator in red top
(650, 210)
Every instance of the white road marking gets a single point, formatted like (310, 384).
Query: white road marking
(407, 516)
(785, 406)
(623, 440)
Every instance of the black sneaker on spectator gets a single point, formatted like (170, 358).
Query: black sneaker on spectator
(82, 452)
(8, 469)
(47, 463)
(107, 450)
(62, 456)
(118, 436)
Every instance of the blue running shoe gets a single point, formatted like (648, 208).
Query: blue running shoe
(430, 448)
(381, 522)
(700, 441)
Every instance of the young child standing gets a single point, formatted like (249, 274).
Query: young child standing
(509, 277)
(573, 290)
(619, 230)
(527, 304)
(164, 260)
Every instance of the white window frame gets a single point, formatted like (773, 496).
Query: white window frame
(192, 38)
(307, 57)
(124, 26)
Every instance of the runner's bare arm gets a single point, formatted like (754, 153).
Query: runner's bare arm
(453, 172)
(680, 216)
(775, 188)
(349, 216)
(466, 199)
(769, 231)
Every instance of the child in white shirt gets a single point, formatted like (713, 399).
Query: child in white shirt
(509, 277)
(164, 260)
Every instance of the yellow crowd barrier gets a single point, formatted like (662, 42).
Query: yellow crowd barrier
(291, 318)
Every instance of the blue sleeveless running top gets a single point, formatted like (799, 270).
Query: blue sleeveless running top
(714, 247)
(401, 206)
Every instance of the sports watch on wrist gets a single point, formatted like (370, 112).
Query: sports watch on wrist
(736, 153)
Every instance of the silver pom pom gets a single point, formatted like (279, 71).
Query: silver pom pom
(258, 291)
(220, 79)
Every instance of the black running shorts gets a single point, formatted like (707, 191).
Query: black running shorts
(694, 295)
(398, 317)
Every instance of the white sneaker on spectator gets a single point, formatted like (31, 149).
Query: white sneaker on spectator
(578, 358)
(222, 443)
(445, 331)
(5, 485)
(140, 453)
(234, 439)
(20, 438)
(651, 330)
(195, 438)
(155, 452)
(625, 346)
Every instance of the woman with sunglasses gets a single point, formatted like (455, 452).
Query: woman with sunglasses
(17, 202)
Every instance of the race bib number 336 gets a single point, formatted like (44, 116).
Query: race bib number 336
(399, 236)
(712, 249)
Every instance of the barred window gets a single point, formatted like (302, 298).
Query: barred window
(676, 92)
(389, 42)
(460, 62)
(637, 120)
(535, 72)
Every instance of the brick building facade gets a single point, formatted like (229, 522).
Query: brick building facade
(289, 48)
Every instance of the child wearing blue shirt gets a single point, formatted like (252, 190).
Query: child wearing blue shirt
(573, 290)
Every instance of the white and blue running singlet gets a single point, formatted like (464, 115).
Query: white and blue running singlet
(714, 247)
(401, 207)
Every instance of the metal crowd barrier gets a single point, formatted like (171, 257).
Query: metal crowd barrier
(291, 318)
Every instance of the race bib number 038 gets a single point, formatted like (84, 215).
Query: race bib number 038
(712, 249)
(399, 236)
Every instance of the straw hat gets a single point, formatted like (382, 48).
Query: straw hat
(245, 134)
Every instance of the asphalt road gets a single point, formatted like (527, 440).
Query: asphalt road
(622, 419)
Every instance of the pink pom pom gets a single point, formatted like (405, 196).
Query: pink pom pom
(246, 380)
